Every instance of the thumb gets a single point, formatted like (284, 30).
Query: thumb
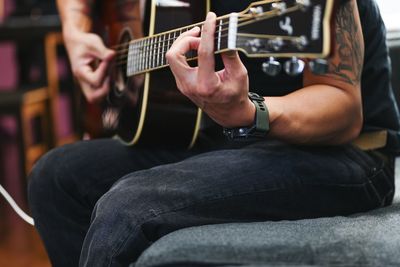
(98, 49)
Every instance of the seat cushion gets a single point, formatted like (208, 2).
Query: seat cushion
(371, 239)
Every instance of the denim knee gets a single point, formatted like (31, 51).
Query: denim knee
(47, 177)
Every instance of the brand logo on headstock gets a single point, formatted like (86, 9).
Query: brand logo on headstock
(286, 25)
(316, 23)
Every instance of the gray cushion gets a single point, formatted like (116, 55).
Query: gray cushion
(371, 239)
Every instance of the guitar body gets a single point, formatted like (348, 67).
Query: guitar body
(148, 109)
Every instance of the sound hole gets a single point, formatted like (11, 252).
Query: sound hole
(120, 83)
(124, 94)
(117, 96)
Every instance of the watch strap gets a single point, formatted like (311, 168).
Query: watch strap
(260, 127)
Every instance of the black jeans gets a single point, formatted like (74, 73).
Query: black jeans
(100, 203)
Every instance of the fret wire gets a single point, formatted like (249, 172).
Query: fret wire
(162, 50)
(142, 56)
(137, 53)
(219, 35)
(149, 54)
(149, 50)
(152, 53)
(146, 65)
(158, 49)
(159, 55)
(131, 56)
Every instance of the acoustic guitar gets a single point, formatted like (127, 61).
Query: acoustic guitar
(144, 107)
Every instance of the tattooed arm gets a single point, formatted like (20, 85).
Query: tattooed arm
(84, 48)
(328, 109)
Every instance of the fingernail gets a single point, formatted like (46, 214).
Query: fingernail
(210, 15)
(195, 29)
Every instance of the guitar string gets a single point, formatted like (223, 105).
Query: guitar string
(122, 60)
(147, 69)
(154, 58)
(156, 55)
(185, 28)
(144, 48)
(244, 18)
(290, 9)
(179, 31)
(166, 41)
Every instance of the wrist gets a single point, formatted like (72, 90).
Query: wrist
(71, 26)
(239, 115)
(77, 18)
(259, 125)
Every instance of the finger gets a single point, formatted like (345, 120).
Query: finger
(176, 54)
(195, 31)
(93, 94)
(232, 62)
(206, 49)
(98, 49)
(93, 77)
(185, 42)
(100, 92)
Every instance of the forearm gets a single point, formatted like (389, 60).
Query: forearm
(75, 15)
(317, 114)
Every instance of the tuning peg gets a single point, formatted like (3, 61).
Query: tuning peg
(301, 42)
(276, 43)
(319, 66)
(294, 66)
(272, 67)
(256, 10)
(304, 4)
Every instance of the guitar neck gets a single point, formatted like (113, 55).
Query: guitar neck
(269, 28)
(147, 54)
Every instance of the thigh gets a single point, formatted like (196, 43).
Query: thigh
(87, 169)
(265, 180)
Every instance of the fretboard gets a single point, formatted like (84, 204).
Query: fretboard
(147, 54)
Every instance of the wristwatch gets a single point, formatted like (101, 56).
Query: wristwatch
(260, 127)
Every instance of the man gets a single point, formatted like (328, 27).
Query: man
(100, 203)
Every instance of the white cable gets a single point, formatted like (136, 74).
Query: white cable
(16, 208)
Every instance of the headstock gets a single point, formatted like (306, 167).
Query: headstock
(284, 28)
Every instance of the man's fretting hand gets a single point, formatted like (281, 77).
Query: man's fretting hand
(223, 94)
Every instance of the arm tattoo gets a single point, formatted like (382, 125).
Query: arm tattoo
(349, 47)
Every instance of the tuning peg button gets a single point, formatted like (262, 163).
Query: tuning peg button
(272, 67)
(319, 66)
(294, 66)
